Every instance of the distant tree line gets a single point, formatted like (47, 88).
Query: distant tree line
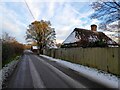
(10, 48)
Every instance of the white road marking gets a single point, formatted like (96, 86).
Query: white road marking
(37, 82)
(21, 70)
(69, 80)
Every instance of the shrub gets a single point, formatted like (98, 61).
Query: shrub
(10, 50)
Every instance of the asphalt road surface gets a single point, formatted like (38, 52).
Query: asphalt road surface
(34, 71)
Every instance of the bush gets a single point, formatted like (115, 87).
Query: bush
(10, 50)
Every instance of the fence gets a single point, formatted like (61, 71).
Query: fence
(106, 59)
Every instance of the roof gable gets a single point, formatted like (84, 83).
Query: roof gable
(82, 35)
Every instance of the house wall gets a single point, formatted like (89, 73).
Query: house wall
(106, 59)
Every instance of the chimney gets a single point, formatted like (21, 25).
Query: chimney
(93, 27)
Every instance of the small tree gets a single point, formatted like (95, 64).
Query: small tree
(42, 33)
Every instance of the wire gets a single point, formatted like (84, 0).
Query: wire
(29, 10)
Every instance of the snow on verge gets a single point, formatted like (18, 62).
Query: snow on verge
(99, 76)
(6, 71)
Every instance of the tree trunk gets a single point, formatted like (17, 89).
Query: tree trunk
(40, 49)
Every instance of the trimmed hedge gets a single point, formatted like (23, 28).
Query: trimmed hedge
(10, 50)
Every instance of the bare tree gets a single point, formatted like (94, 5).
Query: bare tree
(7, 38)
(107, 12)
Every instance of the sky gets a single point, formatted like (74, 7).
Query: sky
(63, 15)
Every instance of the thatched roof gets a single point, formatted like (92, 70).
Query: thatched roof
(88, 38)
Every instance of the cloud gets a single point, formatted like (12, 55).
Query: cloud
(67, 18)
(50, 1)
(34, 8)
(64, 16)
(51, 9)
(11, 23)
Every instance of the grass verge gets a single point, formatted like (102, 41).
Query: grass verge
(15, 57)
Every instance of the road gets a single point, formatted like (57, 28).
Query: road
(34, 71)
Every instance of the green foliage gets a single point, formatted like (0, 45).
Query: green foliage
(85, 44)
(4, 62)
(100, 43)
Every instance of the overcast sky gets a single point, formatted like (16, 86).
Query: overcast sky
(64, 16)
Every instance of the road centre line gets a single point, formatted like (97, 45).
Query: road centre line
(37, 81)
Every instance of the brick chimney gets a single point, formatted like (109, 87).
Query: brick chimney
(93, 27)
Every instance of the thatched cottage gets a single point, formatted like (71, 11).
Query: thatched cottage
(88, 38)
